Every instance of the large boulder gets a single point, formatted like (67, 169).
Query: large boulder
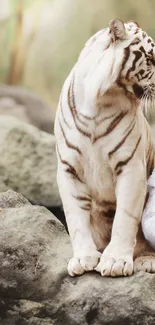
(33, 247)
(35, 288)
(26, 106)
(28, 162)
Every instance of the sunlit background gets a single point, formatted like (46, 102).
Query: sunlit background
(40, 39)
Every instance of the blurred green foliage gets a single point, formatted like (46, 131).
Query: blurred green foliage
(41, 39)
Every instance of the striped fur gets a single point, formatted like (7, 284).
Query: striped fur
(104, 149)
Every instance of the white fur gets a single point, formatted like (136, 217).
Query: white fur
(96, 72)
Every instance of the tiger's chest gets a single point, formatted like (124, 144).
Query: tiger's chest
(93, 164)
(101, 150)
(97, 172)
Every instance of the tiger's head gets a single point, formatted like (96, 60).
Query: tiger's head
(137, 68)
(120, 56)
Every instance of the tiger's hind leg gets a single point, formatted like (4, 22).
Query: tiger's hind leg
(144, 255)
(145, 263)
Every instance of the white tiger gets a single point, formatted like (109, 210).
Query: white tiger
(105, 151)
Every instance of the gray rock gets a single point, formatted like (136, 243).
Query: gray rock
(33, 247)
(35, 288)
(28, 162)
(26, 106)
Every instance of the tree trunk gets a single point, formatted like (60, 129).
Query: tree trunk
(14, 70)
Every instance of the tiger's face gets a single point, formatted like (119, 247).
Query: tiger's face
(137, 67)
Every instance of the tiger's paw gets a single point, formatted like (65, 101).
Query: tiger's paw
(115, 267)
(78, 266)
(116, 261)
(145, 263)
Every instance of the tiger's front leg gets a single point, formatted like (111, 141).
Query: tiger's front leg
(117, 258)
(77, 204)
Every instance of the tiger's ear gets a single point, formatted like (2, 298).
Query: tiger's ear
(117, 29)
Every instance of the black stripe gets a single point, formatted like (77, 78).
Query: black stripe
(125, 59)
(69, 144)
(72, 107)
(120, 164)
(86, 207)
(123, 140)
(151, 75)
(86, 117)
(86, 200)
(105, 118)
(82, 198)
(71, 170)
(138, 55)
(136, 41)
(62, 114)
(143, 50)
(112, 126)
(146, 75)
(74, 104)
(140, 74)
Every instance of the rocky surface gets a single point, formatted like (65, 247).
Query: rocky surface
(35, 288)
(26, 106)
(28, 162)
(33, 248)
